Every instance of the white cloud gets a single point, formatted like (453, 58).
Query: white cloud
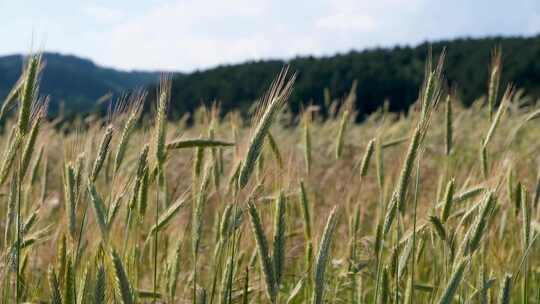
(103, 13)
(189, 34)
(183, 34)
(347, 22)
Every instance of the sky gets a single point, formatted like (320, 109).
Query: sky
(185, 35)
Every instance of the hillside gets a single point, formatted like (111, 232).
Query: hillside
(393, 74)
(76, 81)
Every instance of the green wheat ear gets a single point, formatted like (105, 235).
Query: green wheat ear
(385, 288)
(166, 216)
(448, 127)
(69, 189)
(173, 276)
(69, 284)
(160, 131)
(123, 287)
(307, 140)
(478, 229)
(197, 143)
(275, 149)
(506, 100)
(264, 253)
(14, 143)
(494, 79)
(323, 255)
(100, 286)
(99, 211)
(197, 211)
(103, 149)
(448, 200)
(28, 149)
(84, 284)
(367, 157)
(438, 227)
(12, 97)
(280, 228)
(54, 286)
(452, 286)
(506, 286)
(340, 139)
(135, 106)
(348, 107)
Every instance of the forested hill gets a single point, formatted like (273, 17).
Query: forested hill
(394, 74)
(76, 82)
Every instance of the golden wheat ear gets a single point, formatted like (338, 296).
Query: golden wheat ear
(29, 91)
(134, 108)
(160, 129)
(495, 71)
(272, 103)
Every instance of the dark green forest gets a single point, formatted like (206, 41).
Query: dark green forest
(392, 74)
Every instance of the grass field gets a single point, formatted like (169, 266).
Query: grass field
(437, 206)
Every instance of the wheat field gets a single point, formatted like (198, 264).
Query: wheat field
(437, 206)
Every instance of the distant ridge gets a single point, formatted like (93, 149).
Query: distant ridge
(73, 80)
(392, 74)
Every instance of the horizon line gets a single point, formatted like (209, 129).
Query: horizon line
(285, 60)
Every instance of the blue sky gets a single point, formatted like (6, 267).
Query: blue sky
(196, 34)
